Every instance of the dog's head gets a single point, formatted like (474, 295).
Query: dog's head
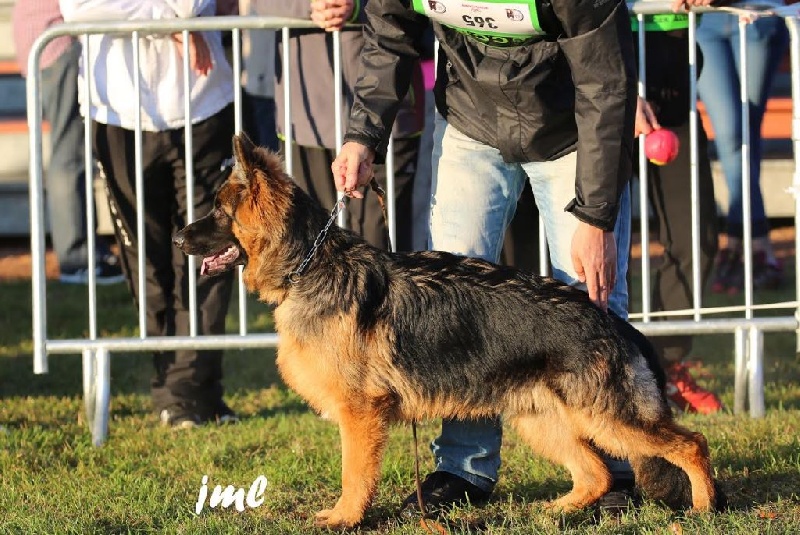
(249, 211)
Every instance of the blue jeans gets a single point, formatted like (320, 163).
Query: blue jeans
(66, 172)
(474, 196)
(719, 86)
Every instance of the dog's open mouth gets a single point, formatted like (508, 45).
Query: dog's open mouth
(223, 260)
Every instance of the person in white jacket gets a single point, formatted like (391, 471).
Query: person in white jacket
(187, 385)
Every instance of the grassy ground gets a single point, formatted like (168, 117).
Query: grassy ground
(147, 478)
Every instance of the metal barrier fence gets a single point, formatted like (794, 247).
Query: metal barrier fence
(748, 330)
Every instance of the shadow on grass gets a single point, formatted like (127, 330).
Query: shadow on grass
(750, 492)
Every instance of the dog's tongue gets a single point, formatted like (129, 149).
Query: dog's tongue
(219, 260)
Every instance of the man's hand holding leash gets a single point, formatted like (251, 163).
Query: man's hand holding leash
(352, 169)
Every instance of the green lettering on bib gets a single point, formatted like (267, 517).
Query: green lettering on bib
(663, 22)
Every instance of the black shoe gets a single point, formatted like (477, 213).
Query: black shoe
(441, 491)
(622, 498)
(224, 415)
(107, 271)
(178, 418)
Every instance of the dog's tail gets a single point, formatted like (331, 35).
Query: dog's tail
(657, 478)
(661, 481)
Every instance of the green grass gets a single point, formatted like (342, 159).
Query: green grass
(146, 478)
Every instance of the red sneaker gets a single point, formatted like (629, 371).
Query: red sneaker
(683, 391)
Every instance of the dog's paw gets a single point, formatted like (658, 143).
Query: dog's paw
(332, 519)
(565, 504)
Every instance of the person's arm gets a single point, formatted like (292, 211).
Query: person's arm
(598, 46)
(95, 10)
(387, 61)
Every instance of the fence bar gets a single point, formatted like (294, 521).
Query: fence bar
(390, 200)
(694, 166)
(341, 219)
(102, 400)
(644, 183)
(188, 150)
(740, 372)
(287, 102)
(755, 370)
(747, 223)
(160, 343)
(89, 371)
(236, 37)
(36, 196)
(139, 180)
(88, 176)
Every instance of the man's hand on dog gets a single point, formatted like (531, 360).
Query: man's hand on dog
(594, 255)
(352, 168)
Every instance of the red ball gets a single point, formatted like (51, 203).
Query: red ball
(661, 146)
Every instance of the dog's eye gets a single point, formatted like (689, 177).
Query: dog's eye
(221, 215)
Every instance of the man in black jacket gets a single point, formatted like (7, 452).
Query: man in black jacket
(543, 92)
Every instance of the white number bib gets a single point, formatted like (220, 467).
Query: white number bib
(486, 17)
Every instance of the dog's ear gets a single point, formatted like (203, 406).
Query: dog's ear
(243, 154)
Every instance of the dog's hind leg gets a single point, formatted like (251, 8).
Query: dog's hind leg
(364, 433)
(685, 449)
(689, 451)
(557, 440)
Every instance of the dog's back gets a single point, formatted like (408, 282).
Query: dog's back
(457, 321)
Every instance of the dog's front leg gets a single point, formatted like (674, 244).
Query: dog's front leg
(364, 433)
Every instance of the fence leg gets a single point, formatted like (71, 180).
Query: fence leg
(756, 373)
(88, 385)
(102, 388)
(740, 375)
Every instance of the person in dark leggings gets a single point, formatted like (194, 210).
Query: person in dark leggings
(187, 384)
(669, 189)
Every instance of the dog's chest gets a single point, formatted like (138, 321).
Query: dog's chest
(313, 376)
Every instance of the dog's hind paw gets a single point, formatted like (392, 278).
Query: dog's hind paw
(569, 503)
(332, 519)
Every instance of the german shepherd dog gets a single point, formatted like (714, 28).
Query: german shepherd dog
(369, 337)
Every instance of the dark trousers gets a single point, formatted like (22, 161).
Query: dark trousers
(670, 196)
(187, 379)
(312, 172)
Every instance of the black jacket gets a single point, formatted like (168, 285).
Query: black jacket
(535, 102)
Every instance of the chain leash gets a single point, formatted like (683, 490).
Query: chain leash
(338, 207)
